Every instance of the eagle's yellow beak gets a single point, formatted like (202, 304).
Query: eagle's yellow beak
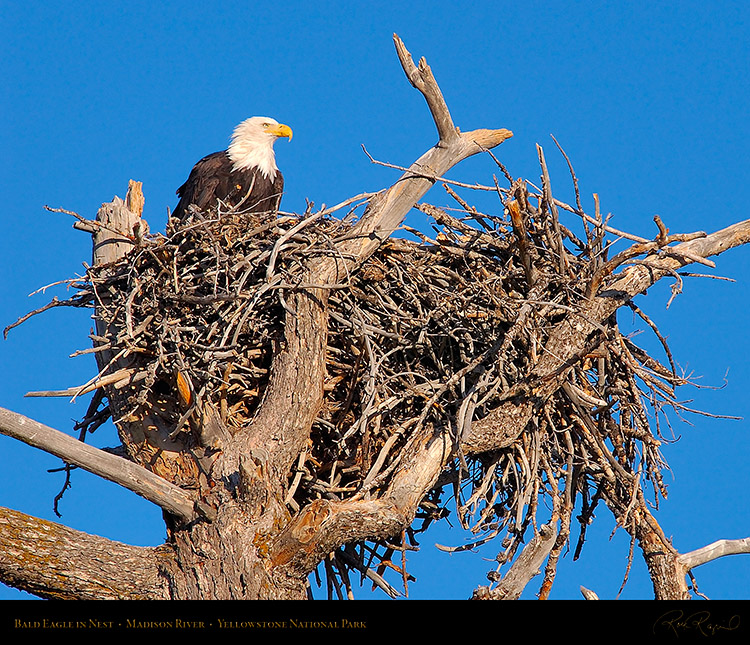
(280, 130)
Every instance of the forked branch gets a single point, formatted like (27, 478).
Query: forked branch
(422, 79)
(387, 212)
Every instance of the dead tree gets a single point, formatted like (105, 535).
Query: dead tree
(301, 393)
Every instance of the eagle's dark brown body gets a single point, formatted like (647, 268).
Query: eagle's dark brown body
(213, 179)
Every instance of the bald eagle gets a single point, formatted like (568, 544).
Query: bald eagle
(244, 175)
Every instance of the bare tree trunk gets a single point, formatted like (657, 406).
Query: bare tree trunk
(667, 575)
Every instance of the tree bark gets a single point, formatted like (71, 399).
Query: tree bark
(56, 562)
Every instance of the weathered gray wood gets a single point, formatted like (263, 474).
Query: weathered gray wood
(111, 467)
(525, 567)
(147, 440)
(718, 549)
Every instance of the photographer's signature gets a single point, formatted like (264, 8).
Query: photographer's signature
(678, 622)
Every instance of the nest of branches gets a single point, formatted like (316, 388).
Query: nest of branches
(436, 330)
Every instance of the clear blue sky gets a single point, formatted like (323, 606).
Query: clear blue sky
(650, 101)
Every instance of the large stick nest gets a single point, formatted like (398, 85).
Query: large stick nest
(433, 331)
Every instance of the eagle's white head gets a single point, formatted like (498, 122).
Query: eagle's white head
(252, 144)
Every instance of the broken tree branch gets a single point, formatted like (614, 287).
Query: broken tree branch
(526, 566)
(422, 79)
(386, 213)
(713, 551)
(116, 469)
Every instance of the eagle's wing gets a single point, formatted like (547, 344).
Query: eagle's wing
(204, 179)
